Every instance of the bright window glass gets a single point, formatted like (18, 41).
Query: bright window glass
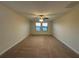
(38, 26)
(44, 26)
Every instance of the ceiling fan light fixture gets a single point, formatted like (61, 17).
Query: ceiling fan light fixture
(41, 20)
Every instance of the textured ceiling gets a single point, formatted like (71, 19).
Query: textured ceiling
(51, 9)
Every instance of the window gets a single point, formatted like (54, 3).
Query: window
(44, 26)
(41, 26)
(38, 26)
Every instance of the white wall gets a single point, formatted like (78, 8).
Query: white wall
(13, 28)
(66, 29)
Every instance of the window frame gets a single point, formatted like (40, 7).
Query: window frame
(36, 26)
(41, 27)
(46, 27)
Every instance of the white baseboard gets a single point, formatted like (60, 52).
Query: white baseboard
(68, 46)
(12, 45)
